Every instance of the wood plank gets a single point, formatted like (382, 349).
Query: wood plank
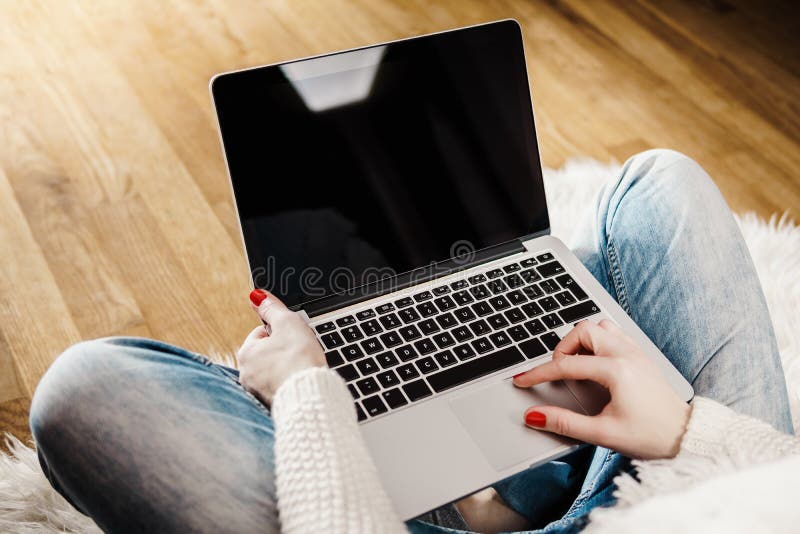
(14, 420)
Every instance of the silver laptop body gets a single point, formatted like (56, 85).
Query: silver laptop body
(432, 386)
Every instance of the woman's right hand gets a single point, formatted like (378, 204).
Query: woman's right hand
(645, 417)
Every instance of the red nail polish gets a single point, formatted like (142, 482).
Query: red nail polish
(537, 419)
(518, 374)
(257, 296)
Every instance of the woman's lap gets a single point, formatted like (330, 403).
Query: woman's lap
(207, 457)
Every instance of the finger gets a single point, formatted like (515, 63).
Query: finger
(268, 306)
(571, 368)
(254, 335)
(585, 336)
(610, 326)
(564, 422)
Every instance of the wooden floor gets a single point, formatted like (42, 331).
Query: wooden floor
(115, 216)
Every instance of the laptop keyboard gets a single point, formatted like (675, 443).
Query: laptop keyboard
(403, 351)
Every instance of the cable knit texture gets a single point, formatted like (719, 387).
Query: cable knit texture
(326, 480)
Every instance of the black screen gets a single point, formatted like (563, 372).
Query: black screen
(377, 161)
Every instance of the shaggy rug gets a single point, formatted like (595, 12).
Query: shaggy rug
(28, 505)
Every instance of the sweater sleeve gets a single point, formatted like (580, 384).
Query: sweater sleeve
(326, 480)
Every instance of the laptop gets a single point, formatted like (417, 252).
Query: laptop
(392, 195)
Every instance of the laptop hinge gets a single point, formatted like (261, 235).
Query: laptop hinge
(417, 276)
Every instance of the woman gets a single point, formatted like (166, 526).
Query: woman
(143, 436)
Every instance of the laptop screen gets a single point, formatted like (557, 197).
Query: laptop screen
(377, 161)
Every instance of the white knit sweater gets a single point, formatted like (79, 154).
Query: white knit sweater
(724, 478)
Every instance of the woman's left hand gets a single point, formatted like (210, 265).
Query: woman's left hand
(265, 359)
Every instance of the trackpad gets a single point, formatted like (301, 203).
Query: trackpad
(494, 418)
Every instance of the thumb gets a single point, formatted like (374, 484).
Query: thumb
(267, 305)
(564, 422)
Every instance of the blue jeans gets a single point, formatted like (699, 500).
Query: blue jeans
(144, 436)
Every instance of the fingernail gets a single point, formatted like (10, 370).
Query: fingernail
(518, 375)
(537, 419)
(257, 296)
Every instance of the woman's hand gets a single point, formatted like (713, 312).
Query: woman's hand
(267, 359)
(645, 417)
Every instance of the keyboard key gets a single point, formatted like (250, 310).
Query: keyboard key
(550, 269)
(530, 275)
(346, 321)
(529, 262)
(494, 273)
(324, 327)
(407, 372)
(427, 309)
(464, 314)
(388, 379)
(477, 279)
(394, 398)
(532, 348)
(535, 327)
(567, 282)
(365, 314)
(532, 309)
(447, 320)
(549, 286)
(459, 284)
(428, 326)
(371, 327)
(425, 346)
(544, 257)
(352, 333)
(511, 268)
(533, 291)
(441, 290)
(548, 304)
(444, 340)
(514, 316)
(368, 386)
(367, 366)
(464, 352)
(333, 358)
(408, 315)
(579, 311)
(479, 292)
(499, 302)
(514, 281)
(446, 358)
(550, 340)
(482, 345)
(482, 308)
(565, 298)
(352, 352)
(445, 303)
(497, 321)
(391, 339)
(332, 340)
(462, 333)
(500, 339)
(425, 295)
(348, 372)
(374, 406)
(473, 369)
(353, 391)
(516, 297)
(496, 286)
(417, 390)
(480, 327)
(406, 353)
(551, 321)
(410, 333)
(385, 308)
(462, 297)
(518, 333)
(427, 365)
(386, 359)
(404, 302)
(360, 413)
(390, 321)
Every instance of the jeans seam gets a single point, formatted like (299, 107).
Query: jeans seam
(616, 276)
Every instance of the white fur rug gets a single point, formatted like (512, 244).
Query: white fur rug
(28, 505)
